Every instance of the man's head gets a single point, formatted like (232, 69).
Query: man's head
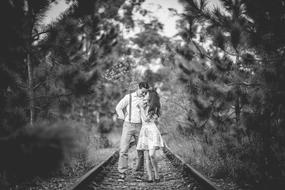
(142, 88)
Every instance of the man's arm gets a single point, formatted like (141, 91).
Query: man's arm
(120, 106)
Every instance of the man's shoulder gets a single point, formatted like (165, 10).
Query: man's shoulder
(133, 94)
(127, 96)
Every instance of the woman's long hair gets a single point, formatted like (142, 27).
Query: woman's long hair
(154, 103)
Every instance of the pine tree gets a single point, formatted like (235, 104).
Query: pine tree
(46, 67)
(235, 85)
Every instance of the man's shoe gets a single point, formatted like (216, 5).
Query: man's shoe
(157, 180)
(122, 177)
(139, 168)
(147, 180)
(138, 175)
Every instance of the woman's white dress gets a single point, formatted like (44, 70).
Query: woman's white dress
(149, 137)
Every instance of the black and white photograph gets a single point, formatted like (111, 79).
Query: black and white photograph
(142, 95)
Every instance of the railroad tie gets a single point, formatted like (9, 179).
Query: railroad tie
(174, 175)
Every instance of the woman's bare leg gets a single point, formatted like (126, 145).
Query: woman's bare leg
(148, 165)
(154, 162)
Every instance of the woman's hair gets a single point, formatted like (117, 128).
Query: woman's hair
(154, 103)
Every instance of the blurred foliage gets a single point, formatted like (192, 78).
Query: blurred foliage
(235, 86)
(53, 73)
(220, 82)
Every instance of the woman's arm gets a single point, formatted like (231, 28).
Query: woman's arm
(154, 118)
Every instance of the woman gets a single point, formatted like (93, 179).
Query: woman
(150, 138)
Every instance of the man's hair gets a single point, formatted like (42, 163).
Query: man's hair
(143, 85)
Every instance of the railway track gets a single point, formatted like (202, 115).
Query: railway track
(174, 172)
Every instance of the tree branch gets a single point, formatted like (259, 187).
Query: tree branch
(37, 36)
(53, 97)
(39, 84)
(245, 84)
(173, 102)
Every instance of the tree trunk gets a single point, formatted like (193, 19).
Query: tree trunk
(30, 23)
(237, 104)
(237, 110)
(30, 88)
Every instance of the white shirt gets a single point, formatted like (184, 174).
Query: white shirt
(135, 110)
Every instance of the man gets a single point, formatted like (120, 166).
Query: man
(131, 127)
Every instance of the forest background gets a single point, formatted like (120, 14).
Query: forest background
(220, 79)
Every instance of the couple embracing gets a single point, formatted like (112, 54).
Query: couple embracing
(142, 111)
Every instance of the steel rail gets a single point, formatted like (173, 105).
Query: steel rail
(176, 160)
(86, 178)
(204, 182)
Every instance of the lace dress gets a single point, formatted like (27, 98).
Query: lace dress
(149, 137)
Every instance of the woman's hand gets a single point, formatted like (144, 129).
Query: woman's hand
(142, 104)
(147, 119)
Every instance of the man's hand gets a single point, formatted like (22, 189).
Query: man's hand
(147, 120)
(120, 118)
(120, 121)
(142, 104)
